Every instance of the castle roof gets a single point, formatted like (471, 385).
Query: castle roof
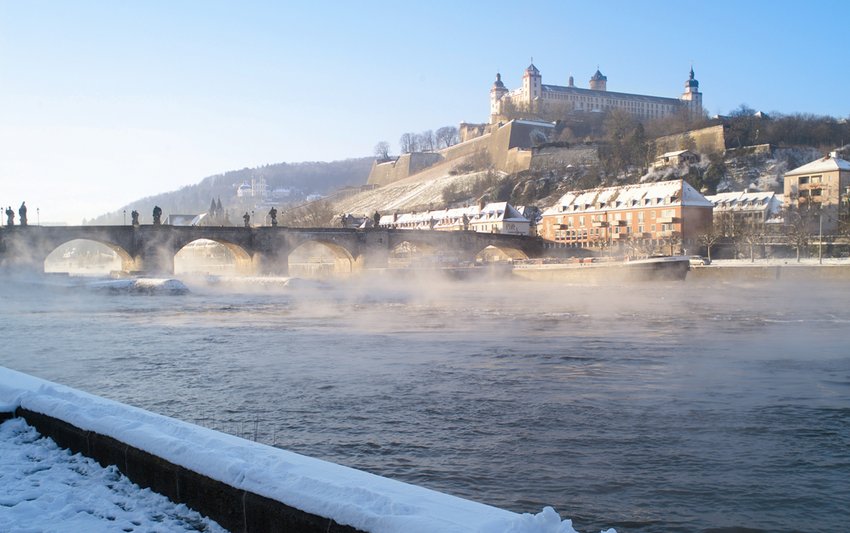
(691, 81)
(598, 76)
(498, 83)
(611, 94)
(532, 70)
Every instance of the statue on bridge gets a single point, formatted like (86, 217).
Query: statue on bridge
(22, 211)
(10, 216)
(157, 215)
(272, 216)
(376, 219)
(134, 216)
(247, 218)
(465, 222)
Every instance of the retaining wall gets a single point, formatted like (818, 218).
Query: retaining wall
(234, 509)
(243, 485)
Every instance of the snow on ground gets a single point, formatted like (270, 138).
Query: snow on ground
(352, 497)
(46, 488)
(784, 261)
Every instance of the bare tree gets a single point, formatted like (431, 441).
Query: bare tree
(798, 227)
(408, 143)
(446, 136)
(426, 140)
(708, 239)
(382, 151)
(752, 236)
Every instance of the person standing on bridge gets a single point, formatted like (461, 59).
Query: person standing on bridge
(22, 211)
(10, 216)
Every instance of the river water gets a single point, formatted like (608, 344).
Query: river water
(649, 407)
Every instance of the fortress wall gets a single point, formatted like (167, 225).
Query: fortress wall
(555, 156)
(711, 140)
(403, 167)
(500, 144)
(517, 160)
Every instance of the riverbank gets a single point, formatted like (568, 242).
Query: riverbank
(808, 269)
(242, 485)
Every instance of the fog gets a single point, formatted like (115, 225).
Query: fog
(658, 406)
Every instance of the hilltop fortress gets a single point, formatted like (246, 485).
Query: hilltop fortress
(533, 96)
(507, 142)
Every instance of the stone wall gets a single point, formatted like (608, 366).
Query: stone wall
(710, 140)
(406, 165)
(234, 509)
(558, 157)
(504, 145)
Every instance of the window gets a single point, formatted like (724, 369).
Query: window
(804, 180)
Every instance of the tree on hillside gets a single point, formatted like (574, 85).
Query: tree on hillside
(426, 141)
(408, 143)
(382, 151)
(446, 136)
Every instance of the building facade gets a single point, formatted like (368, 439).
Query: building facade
(822, 189)
(498, 217)
(656, 213)
(746, 209)
(534, 96)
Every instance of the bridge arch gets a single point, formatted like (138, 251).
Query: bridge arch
(499, 253)
(85, 255)
(320, 258)
(209, 255)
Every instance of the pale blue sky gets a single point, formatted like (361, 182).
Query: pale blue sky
(103, 102)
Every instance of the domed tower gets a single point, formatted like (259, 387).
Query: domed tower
(532, 86)
(599, 82)
(496, 94)
(692, 97)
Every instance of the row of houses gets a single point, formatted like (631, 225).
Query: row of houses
(667, 211)
(498, 217)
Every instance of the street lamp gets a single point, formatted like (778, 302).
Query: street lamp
(37, 216)
(125, 217)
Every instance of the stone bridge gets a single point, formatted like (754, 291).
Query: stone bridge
(258, 250)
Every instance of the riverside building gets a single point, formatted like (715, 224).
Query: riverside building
(665, 212)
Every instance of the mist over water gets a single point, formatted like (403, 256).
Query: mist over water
(646, 407)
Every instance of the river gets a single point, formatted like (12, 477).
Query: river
(649, 407)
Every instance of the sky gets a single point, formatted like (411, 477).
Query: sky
(103, 102)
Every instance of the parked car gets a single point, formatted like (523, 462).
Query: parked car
(698, 260)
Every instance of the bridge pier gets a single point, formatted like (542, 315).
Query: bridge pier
(270, 264)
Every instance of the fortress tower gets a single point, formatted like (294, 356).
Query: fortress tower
(599, 82)
(496, 94)
(692, 96)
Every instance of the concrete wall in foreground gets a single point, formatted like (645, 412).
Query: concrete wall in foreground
(234, 509)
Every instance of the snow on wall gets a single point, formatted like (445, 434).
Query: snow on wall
(348, 496)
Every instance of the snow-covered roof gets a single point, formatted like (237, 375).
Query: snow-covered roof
(829, 163)
(492, 212)
(745, 201)
(660, 194)
(674, 154)
(533, 123)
